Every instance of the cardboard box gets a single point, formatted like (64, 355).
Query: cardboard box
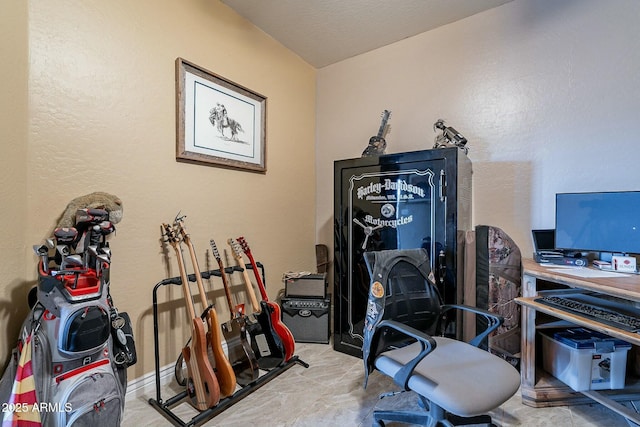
(585, 360)
(624, 263)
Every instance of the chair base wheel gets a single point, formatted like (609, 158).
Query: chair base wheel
(420, 418)
(480, 420)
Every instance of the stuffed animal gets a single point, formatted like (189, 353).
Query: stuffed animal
(96, 200)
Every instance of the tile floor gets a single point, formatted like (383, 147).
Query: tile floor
(330, 393)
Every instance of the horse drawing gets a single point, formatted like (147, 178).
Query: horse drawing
(220, 119)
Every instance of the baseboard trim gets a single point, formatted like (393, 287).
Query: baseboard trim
(146, 384)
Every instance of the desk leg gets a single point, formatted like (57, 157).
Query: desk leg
(528, 362)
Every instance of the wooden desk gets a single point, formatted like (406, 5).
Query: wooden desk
(540, 389)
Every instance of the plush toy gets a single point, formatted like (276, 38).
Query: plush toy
(96, 200)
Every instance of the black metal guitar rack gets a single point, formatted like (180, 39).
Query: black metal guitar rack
(165, 406)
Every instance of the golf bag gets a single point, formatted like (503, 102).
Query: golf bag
(78, 344)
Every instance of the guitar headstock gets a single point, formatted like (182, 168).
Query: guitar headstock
(235, 249)
(214, 249)
(180, 228)
(244, 245)
(172, 236)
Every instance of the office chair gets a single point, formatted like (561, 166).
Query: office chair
(456, 382)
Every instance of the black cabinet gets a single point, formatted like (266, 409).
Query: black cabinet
(397, 201)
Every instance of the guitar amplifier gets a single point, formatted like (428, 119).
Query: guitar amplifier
(308, 286)
(307, 318)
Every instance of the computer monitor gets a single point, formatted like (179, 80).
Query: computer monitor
(598, 222)
(544, 240)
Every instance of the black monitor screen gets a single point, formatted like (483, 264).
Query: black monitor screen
(599, 222)
(544, 240)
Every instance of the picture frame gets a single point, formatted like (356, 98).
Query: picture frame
(218, 122)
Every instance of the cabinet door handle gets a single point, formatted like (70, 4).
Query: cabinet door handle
(442, 266)
(443, 186)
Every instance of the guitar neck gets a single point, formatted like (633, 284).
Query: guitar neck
(223, 275)
(185, 285)
(249, 286)
(383, 124)
(237, 255)
(194, 262)
(183, 275)
(254, 267)
(196, 272)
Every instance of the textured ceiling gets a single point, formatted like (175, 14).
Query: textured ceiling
(323, 32)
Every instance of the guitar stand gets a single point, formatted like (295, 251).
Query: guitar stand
(165, 406)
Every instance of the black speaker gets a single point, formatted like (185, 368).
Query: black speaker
(307, 318)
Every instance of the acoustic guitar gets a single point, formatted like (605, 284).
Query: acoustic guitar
(241, 356)
(203, 389)
(265, 341)
(274, 309)
(221, 366)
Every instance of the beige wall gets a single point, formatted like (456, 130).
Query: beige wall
(101, 117)
(13, 159)
(547, 93)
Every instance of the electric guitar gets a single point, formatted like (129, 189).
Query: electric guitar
(222, 368)
(241, 356)
(236, 250)
(274, 309)
(203, 389)
(377, 143)
(265, 341)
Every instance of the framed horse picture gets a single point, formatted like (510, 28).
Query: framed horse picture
(218, 122)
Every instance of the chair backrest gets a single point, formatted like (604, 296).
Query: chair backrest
(400, 290)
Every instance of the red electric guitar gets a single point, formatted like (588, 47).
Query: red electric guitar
(274, 309)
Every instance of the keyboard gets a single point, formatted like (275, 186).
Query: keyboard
(593, 312)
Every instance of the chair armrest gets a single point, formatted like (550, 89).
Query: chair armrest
(493, 320)
(427, 345)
